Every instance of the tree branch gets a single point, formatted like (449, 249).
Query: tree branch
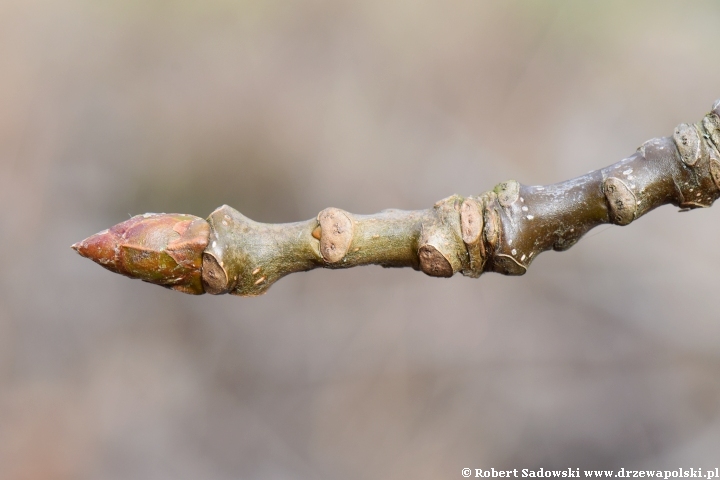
(500, 231)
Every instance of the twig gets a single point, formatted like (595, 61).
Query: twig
(501, 231)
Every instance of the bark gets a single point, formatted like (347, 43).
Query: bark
(502, 230)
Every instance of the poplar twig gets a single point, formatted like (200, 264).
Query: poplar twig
(502, 230)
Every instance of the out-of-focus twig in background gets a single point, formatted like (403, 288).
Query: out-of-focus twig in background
(604, 356)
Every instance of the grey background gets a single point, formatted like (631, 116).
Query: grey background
(603, 356)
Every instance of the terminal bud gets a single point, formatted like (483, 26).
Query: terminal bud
(165, 249)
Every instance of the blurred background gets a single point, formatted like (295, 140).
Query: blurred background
(605, 356)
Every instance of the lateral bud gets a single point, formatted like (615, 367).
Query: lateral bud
(507, 192)
(336, 234)
(621, 201)
(471, 225)
(441, 239)
(221, 268)
(687, 140)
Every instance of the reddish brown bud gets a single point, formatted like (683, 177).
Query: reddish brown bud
(163, 248)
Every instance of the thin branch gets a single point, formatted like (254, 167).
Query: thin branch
(502, 230)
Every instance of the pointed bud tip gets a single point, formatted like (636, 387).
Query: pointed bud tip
(100, 248)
